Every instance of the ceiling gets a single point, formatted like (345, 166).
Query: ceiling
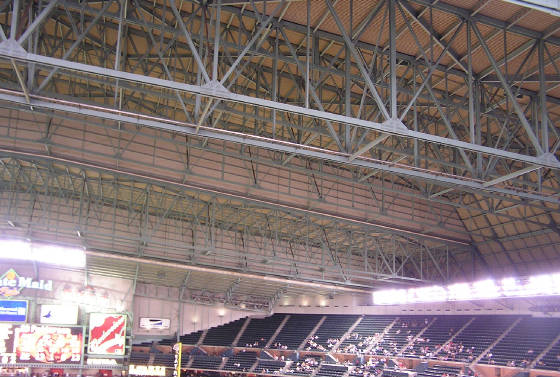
(250, 150)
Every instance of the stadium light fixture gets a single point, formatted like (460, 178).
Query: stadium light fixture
(459, 292)
(538, 285)
(427, 294)
(511, 287)
(42, 253)
(485, 289)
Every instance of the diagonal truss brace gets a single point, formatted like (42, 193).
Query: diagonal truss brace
(286, 147)
(388, 127)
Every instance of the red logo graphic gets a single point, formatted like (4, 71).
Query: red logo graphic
(107, 334)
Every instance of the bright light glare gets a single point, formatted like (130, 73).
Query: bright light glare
(511, 287)
(49, 254)
(428, 294)
(12, 249)
(539, 285)
(461, 291)
(389, 297)
(544, 285)
(485, 289)
(556, 283)
(71, 257)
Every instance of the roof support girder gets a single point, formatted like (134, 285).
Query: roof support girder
(183, 128)
(389, 127)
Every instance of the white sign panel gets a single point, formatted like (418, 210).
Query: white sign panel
(102, 362)
(59, 314)
(146, 370)
(154, 323)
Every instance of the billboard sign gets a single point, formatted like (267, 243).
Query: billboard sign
(59, 314)
(107, 334)
(146, 370)
(13, 310)
(40, 344)
(102, 362)
(155, 323)
(11, 283)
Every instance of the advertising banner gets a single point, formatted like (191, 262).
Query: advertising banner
(13, 311)
(59, 314)
(107, 334)
(33, 344)
(146, 370)
(154, 323)
(12, 283)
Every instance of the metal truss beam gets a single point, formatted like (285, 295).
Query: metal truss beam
(393, 191)
(378, 228)
(302, 150)
(182, 229)
(389, 127)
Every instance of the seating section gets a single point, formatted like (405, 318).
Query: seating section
(206, 362)
(139, 358)
(373, 370)
(364, 334)
(328, 370)
(185, 359)
(393, 373)
(296, 329)
(241, 362)
(524, 342)
(190, 339)
(143, 344)
(164, 359)
(476, 337)
(551, 359)
(269, 366)
(259, 331)
(440, 370)
(330, 331)
(223, 335)
(372, 336)
(400, 334)
(304, 367)
(168, 342)
(435, 336)
(167, 359)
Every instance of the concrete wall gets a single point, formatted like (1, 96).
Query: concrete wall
(194, 316)
(115, 294)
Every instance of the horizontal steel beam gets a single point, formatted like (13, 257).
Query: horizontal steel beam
(389, 127)
(486, 20)
(547, 6)
(250, 199)
(263, 142)
(245, 275)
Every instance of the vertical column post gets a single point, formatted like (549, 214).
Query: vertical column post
(470, 83)
(217, 21)
(15, 16)
(542, 98)
(307, 53)
(393, 56)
